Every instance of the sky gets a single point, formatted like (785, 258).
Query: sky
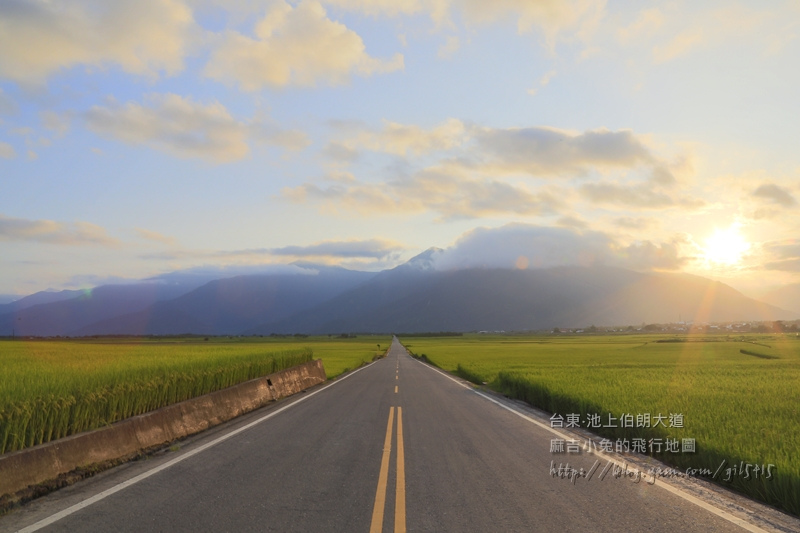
(141, 137)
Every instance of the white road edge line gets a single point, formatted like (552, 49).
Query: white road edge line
(669, 488)
(108, 492)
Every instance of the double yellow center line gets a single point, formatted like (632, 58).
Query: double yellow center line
(383, 479)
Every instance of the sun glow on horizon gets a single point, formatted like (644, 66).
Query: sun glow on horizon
(725, 247)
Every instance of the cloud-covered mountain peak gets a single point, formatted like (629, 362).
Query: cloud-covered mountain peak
(425, 261)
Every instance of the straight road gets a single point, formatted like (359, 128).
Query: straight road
(394, 446)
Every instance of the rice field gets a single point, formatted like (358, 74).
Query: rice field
(738, 397)
(52, 389)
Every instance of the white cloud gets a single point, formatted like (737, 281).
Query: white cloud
(569, 221)
(547, 78)
(648, 22)
(23, 131)
(679, 45)
(355, 252)
(545, 151)
(541, 247)
(635, 223)
(294, 46)
(154, 236)
(479, 170)
(553, 18)
(39, 37)
(437, 9)
(543, 82)
(340, 152)
(516, 245)
(368, 248)
(91, 280)
(709, 27)
(783, 255)
(775, 195)
(449, 47)
(641, 196)
(267, 130)
(52, 232)
(174, 124)
(185, 128)
(7, 151)
(443, 190)
(7, 105)
(405, 139)
(55, 122)
(537, 151)
(644, 255)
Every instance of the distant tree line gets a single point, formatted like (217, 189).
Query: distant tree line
(431, 334)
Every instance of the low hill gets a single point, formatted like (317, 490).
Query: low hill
(787, 297)
(414, 297)
(233, 305)
(410, 300)
(78, 309)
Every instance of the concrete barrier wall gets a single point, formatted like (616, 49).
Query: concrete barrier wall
(127, 438)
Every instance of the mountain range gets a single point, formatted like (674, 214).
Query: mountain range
(413, 297)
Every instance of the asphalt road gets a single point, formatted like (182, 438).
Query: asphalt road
(395, 445)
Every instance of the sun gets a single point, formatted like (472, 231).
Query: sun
(725, 246)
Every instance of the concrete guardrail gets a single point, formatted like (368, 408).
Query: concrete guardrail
(128, 438)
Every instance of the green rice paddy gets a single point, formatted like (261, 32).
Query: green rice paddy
(52, 389)
(738, 397)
